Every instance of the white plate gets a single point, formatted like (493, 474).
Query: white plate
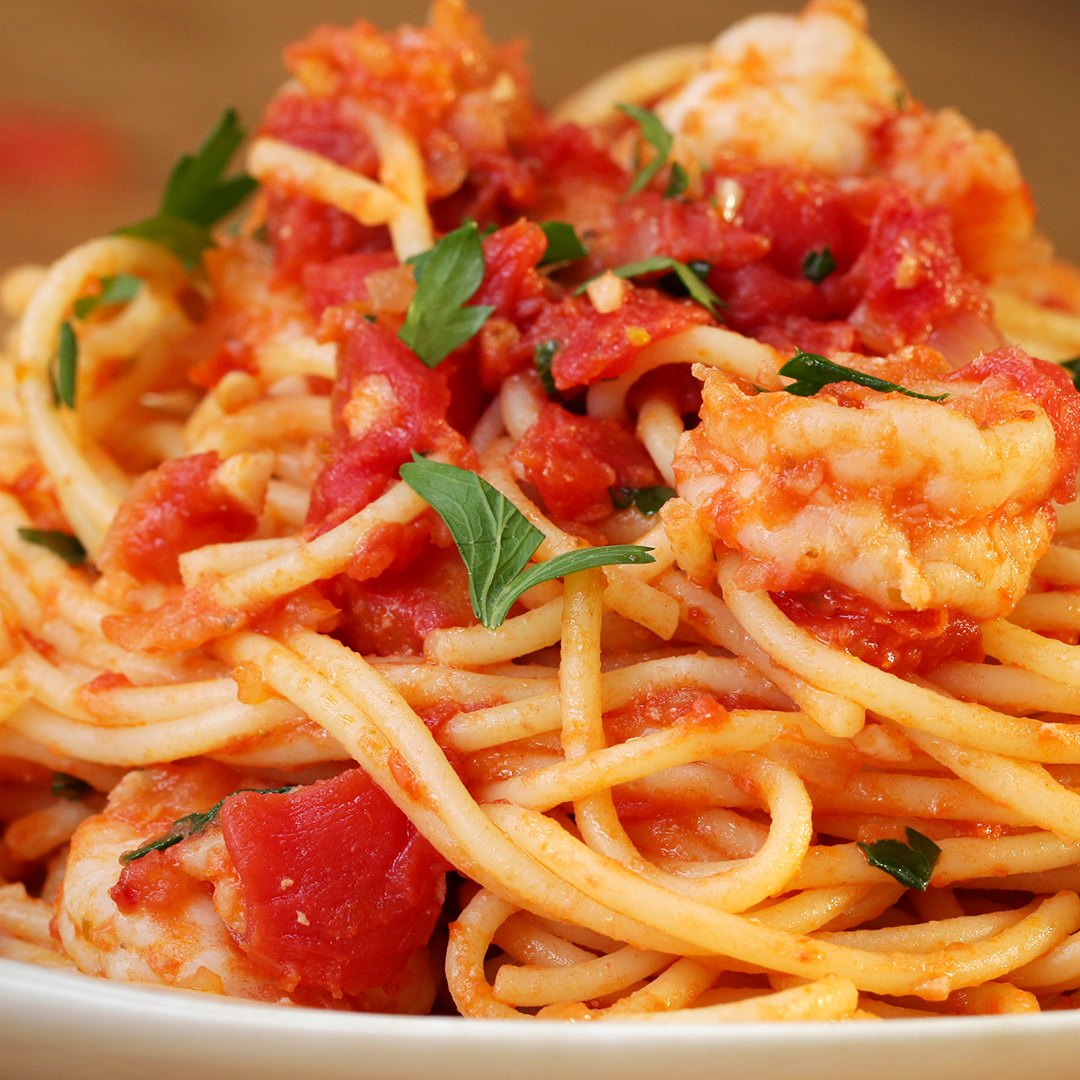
(60, 1026)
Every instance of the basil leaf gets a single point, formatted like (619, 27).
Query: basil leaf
(196, 196)
(68, 547)
(563, 243)
(114, 290)
(912, 864)
(190, 825)
(818, 265)
(811, 372)
(1073, 368)
(446, 276)
(695, 287)
(496, 540)
(647, 499)
(67, 365)
(657, 136)
(543, 354)
(66, 786)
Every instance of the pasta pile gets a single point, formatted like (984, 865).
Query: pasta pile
(664, 786)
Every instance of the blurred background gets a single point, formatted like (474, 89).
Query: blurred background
(98, 97)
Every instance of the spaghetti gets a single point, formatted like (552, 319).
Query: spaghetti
(743, 687)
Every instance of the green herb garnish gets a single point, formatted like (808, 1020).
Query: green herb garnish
(1073, 368)
(695, 287)
(811, 372)
(818, 265)
(563, 243)
(647, 499)
(543, 354)
(190, 825)
(659, 138)
(66, 786)
(67, 364)
(68, 547)
(447, 275)
(114, 290)
(496, 540)
(197, 197)
(912, 864)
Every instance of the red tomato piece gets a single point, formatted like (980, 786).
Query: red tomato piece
(339, 887)
(511, 284)
(909, 278)
(573, 461)
(593, 346)
(390, 615)
(169, 510)
(385, 404)
(341, 280)
(902, 642)
(319, 124)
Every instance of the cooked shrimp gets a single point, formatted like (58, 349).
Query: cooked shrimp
(181, 919)
(914, 504)
(814, 89)
(804, 89)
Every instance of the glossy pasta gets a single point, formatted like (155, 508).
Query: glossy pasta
(662, 786)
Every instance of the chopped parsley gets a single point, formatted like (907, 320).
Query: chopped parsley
(647, 499)
(114, 290)
(659, 138)
(190, 825)
(543, 354)
(695, 287)
(197, 196)
(66, 786)
(818, 265)
(563, 243)
(912, 864)
(67, 364)
(812, 372)
(447, 275)
(496, 540)
(68, 547)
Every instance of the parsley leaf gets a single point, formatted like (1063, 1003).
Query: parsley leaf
(196, 197)
(563, 243)
(190, 825)
(496, 540)
(695, 287)
(659, 138)
(66, 786)
(446, 276)
(114, 290)
(912, 864)
(677, 181)
(67, 366)
(647, 499)
(543, 354)
(68, 547)
(811, 372)
(818, 265)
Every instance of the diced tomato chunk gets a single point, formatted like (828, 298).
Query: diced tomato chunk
(385, 403)
(902, 642)
(339, 887)
(341, 280)
(573, 461)
(169, 510)
(511, 284)
(320, 124)
(594, 346)
(390, 615)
